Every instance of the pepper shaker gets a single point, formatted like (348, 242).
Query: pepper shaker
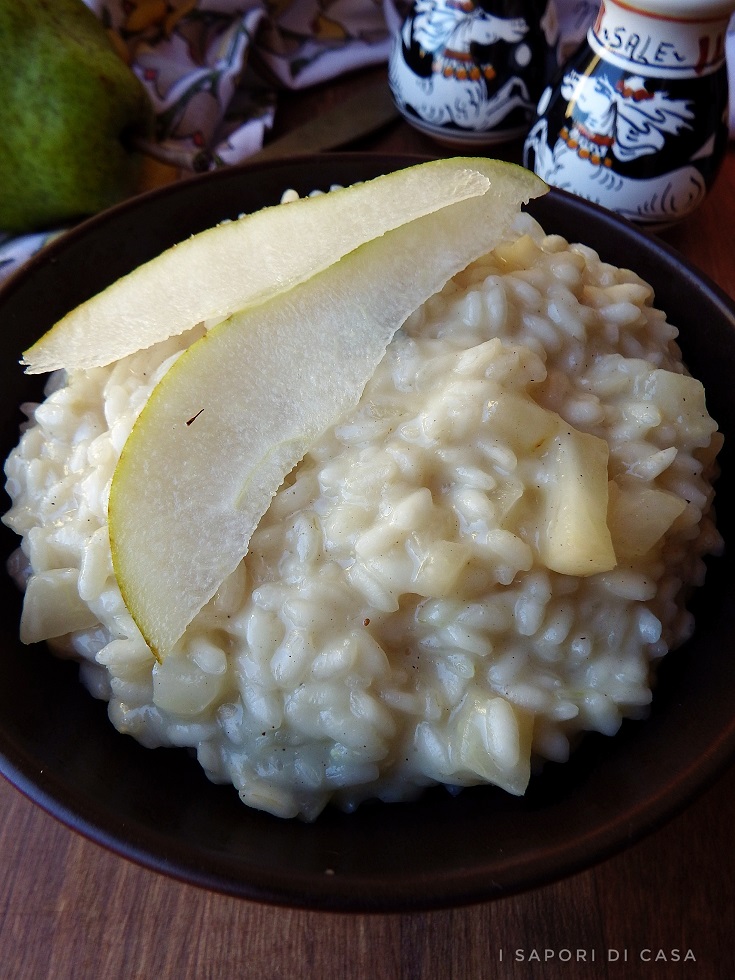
(469, 72)
(637, 118)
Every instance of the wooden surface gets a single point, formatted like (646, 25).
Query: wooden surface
(69, 909)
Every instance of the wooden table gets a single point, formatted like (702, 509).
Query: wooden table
(69, 909)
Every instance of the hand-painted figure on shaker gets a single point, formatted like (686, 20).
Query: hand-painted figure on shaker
(609, 123)
(636, 120)
(465, 69)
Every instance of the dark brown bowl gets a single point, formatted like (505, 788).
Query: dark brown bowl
(157, 807)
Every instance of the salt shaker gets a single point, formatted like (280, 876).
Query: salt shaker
(637, 118)
(469, 72)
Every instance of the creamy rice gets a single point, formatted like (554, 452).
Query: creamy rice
(393, 625)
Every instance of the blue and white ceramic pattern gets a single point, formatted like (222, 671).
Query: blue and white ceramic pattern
(471, 71)
(637, 119)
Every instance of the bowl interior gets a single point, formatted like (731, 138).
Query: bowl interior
(158, 808)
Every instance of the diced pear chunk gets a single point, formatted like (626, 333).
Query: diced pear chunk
(519, 254)
(493, 743)
(574, 538)
(52, 606)
(639, 516)
(569, 511)
(681, 400)
(517, 420)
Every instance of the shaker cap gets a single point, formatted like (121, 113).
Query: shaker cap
(697, 10)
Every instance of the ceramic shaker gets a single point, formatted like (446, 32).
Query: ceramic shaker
(470, 72)
(637, 118)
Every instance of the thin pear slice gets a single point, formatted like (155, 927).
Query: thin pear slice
(241, 406)
(238, 263)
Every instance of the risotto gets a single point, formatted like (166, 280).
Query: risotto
(397, 622)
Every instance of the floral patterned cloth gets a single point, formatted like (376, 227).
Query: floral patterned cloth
(213, 68)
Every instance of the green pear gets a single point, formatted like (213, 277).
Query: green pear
(70, 110)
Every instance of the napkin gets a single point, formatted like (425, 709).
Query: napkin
(213, 69)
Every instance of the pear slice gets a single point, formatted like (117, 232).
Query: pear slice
(238, 263)
(242, 405)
